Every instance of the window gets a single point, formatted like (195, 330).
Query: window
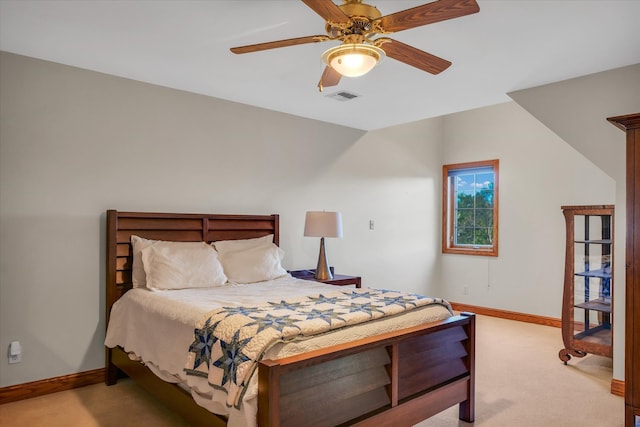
(470, 208)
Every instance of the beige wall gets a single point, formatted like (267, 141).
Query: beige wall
(576, 110)
(74, 143)
(538, 174)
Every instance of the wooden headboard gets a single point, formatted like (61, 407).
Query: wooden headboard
(174, 227)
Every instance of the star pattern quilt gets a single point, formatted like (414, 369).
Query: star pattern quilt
(229, 341)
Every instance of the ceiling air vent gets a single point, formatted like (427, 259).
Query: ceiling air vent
(343, 96)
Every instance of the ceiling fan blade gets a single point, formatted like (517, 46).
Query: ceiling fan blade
(429, 13)
(328, 10)
(278, 43)
(412, 56)
(330, 77)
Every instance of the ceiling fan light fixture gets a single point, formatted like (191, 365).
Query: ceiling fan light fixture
(353, 59)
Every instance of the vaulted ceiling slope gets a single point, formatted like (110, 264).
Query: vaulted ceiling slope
(507, 46)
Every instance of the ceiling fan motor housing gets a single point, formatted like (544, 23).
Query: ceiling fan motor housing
(357, 8)
(361, 16)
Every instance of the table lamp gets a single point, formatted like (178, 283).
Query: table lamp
(323, 224)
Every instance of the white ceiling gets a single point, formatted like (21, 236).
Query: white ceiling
(507, 46)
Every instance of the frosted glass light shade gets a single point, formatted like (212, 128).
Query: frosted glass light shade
(323, 224)
(354, 59)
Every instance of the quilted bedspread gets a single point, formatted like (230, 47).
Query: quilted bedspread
(229, 341)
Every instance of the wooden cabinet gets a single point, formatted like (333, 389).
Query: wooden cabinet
(588, 282)
(631, 125)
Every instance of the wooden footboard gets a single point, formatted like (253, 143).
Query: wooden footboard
(399, 378)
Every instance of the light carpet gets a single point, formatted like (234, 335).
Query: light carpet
(519, 382)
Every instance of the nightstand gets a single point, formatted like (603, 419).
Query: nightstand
(338, 279)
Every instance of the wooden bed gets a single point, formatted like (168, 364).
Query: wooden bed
(398, 378)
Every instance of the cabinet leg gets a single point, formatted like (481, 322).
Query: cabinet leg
(565, 354)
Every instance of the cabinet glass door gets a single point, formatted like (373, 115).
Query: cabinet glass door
(592, 281)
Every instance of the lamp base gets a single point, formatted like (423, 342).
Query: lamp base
(323, 272)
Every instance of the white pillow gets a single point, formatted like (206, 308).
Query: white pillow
(182, 265)
(224, 246)
(138, 277)
(256, 264)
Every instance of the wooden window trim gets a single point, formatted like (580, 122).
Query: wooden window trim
(448, 211)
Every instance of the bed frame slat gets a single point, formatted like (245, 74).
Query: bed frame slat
(332, 370)
(414, 362)
(134, 223)
(123, 249)
(341, 399)
(183, 235)
(215, 235)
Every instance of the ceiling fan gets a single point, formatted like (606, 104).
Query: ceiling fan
(355, 24)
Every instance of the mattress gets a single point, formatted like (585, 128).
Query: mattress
(157, 328)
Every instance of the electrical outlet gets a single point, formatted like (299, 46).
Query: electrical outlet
(15, 352)
(371, 225)
(465, 290)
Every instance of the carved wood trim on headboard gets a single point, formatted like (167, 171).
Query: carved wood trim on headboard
(173, 227)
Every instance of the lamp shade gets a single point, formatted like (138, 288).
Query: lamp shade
(353, 59)
(323, 224)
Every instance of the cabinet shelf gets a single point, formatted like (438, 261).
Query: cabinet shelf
(595, 242)
(600, 304)
(599, 335)
(586, 321)
(603, 273)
